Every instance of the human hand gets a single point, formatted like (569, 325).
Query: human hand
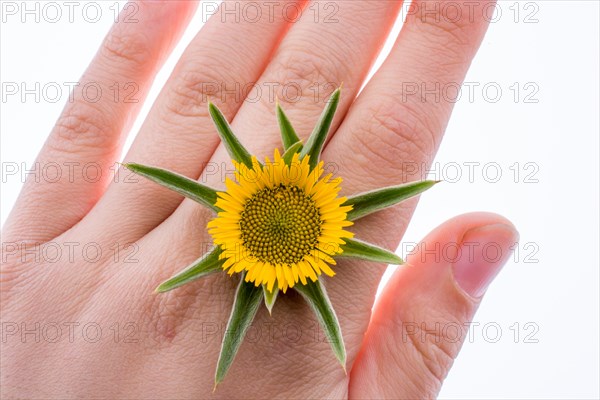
(168, 344)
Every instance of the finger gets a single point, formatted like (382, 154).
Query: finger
(227, 55)
(316, 56)
(390, 125)
(312, 59)
(387, 133)
(88, 135)
(422, 316)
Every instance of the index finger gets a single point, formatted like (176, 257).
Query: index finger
(389, 127)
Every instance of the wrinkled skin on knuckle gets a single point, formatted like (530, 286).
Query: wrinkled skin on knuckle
(83, 127)
(193, 85)
(443, 35)
(388, 377)
(429, 340)
(433, 351)
(450, 28)
(396, 135)
(306, 77)
(129, 51)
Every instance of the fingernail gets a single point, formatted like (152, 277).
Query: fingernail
(483, 252)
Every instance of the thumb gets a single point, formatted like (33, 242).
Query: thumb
(421, 318)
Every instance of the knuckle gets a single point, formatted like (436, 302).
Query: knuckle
(453, 29)
(82, 126)
(194, 85)
(395, 134)
(132, 51)
(448, 39)
(306, 73)
(435, 350)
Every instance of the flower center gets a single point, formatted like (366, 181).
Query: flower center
(280, 225)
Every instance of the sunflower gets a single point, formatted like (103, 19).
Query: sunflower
(279, 225)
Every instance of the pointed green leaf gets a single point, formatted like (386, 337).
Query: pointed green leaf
(315, 142)
(366, 251)
(270, 297)
(369, 202)
(178, 183)
(205, 265)
(316, 296)
(235, 149)
(289, 154)
(288, 134)
(247, 299)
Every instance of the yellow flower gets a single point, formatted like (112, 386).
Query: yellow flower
(280, 223)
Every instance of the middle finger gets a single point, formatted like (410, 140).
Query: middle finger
(313, 58)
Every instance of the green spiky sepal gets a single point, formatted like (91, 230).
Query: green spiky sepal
(248, 295)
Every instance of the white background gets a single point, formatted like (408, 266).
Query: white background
(553, 281)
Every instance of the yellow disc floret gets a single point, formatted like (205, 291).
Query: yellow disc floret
(280, 223)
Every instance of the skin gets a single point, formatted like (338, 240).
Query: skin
(176, 336)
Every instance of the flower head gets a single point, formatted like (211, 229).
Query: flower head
(281, 223)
